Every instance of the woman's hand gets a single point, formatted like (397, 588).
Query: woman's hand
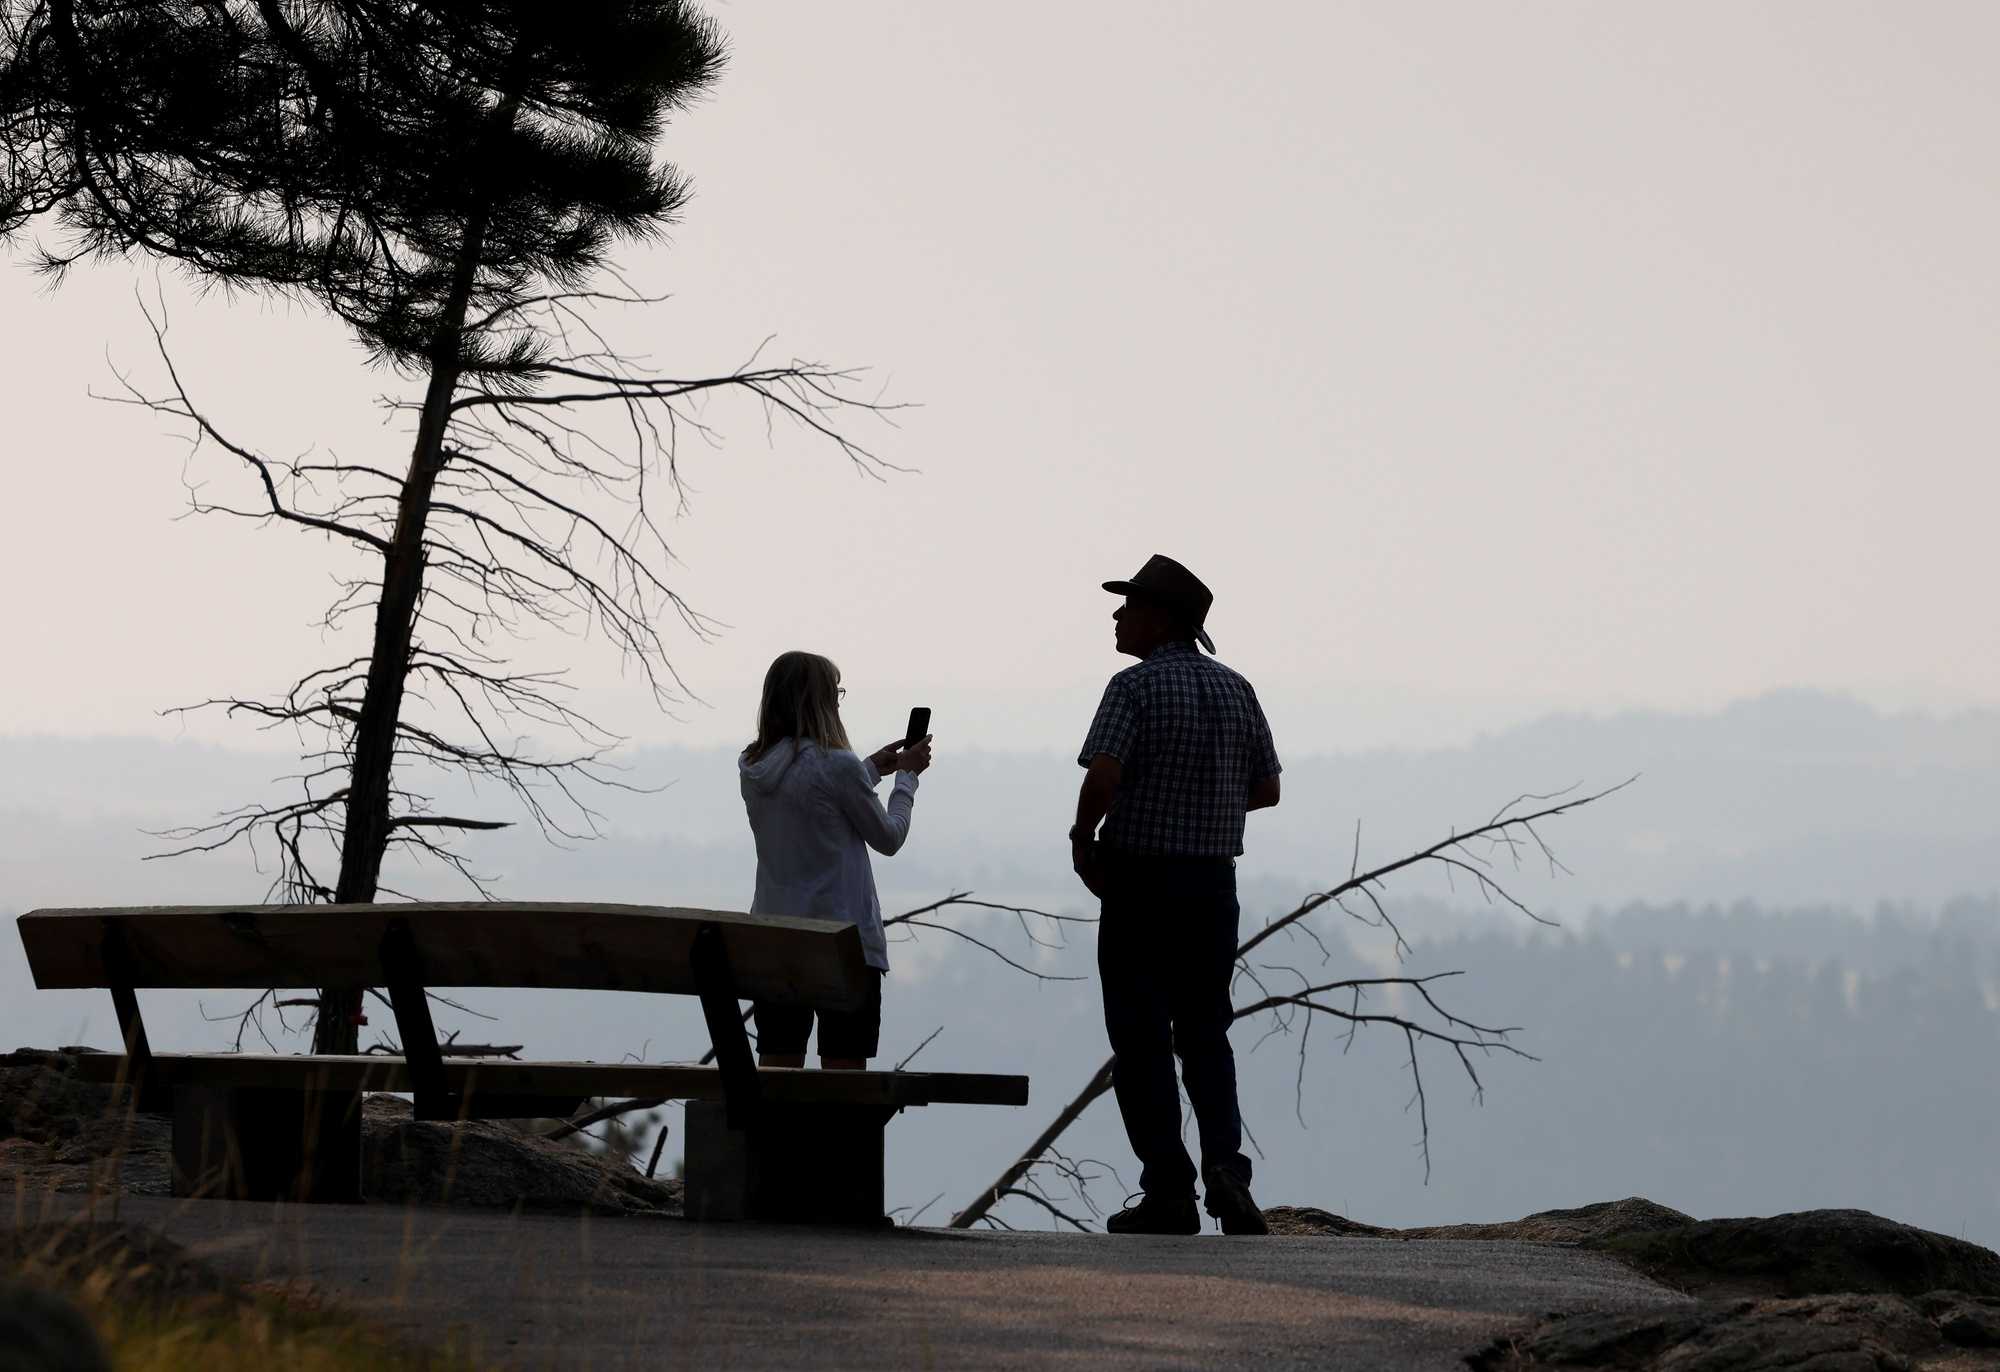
(916, 757)
(883, 759)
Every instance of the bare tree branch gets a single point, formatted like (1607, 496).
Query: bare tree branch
(911, 1055)
(963, 899)
(659, 1146)
(598, 1116)
(1026, 1194)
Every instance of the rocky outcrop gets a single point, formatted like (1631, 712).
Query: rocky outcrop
(1811, 1253)
(1816, 1291)
(1841, 1333)
(64, 1135)
(1633, 1215)
(1605, 1219)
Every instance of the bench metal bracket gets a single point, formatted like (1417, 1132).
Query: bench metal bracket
(708, 959)
(403, 972)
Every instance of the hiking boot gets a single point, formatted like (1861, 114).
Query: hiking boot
(1156, 1215)
(1228, 1199)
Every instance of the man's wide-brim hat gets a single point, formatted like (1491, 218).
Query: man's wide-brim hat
(1165, 582)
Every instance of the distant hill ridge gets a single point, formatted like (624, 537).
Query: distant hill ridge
(1797, 797)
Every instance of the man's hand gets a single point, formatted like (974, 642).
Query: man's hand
(1093, 803)
(1083, 860)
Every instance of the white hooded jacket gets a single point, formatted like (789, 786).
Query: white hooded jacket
(814, 813)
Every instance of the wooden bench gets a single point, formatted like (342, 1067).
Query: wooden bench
(762, 1143)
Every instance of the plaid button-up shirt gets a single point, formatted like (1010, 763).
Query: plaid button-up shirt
(1191, 741)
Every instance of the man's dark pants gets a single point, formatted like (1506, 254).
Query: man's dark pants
(1166, 948)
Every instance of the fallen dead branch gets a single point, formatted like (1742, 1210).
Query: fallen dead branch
(1510, 833)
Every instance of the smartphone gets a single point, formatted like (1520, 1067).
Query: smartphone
(920, 724)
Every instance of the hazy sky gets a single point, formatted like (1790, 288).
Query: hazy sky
(1484, 359)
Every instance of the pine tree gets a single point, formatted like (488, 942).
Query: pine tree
(448, 179)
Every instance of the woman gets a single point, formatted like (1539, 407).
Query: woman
(814, 813)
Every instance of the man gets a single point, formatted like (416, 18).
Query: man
(1178, 752)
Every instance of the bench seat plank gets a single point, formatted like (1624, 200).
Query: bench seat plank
(504, 1076)
(540, 944)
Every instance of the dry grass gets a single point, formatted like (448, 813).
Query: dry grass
(157, 1309)
(253, 1338)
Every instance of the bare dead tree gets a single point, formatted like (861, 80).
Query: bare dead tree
(1475, 855)
(533, 524)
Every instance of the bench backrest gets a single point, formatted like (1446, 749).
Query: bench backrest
(505, 943)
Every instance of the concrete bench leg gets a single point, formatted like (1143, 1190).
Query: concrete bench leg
(255, 1143)
(800, 1164)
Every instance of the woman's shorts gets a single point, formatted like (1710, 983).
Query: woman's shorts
(783, 1029)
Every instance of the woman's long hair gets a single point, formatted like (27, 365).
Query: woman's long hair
(801, 701)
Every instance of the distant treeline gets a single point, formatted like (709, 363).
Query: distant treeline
(1883, 940)
(1721, 1060)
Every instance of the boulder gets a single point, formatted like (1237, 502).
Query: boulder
(486, 1165)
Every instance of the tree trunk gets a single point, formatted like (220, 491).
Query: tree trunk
(365, 836)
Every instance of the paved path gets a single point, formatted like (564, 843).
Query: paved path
(540, 1291)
